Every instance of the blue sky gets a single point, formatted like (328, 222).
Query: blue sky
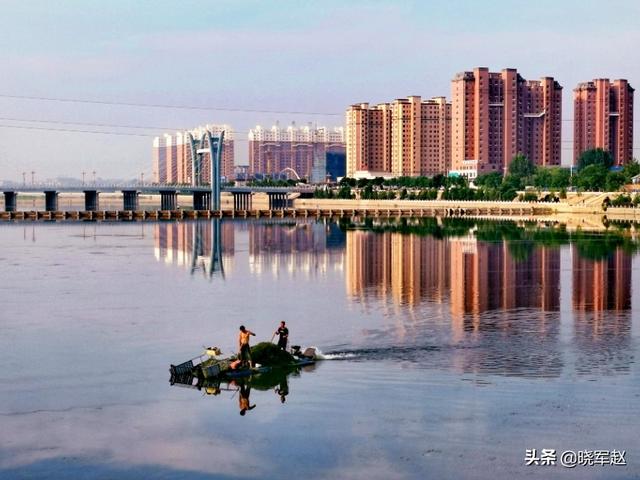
(278, 55)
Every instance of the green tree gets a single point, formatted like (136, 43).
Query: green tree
(592, 177)
(362, 183)
(490, 180)
(560, 177)
(521, 167)
(438, 180)
(344, 192)
(348, 181)
(542, 177)
(595, 156)
(456, 181)
(614, 181)
(508, 189)
(630, 170)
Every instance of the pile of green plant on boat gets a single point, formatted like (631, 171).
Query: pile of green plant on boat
(268, 354)
(265, 354)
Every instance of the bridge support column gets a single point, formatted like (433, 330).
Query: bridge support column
(277, 201)
(10, 201)
(202, 200)
(168, 199)
(51, 200)
(242, 201)
(130, 200)
(91, 200)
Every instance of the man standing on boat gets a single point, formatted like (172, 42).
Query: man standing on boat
(244, 353)
(283, 332)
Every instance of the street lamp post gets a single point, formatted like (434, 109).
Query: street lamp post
(94, 177)
(33, 174)
(24, 179)
(83, 174)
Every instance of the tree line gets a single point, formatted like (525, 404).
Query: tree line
(594, 172)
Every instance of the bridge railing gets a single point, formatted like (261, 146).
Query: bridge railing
(114, 187)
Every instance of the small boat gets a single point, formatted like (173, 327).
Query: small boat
(210, 365)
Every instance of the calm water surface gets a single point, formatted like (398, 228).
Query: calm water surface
(452, 348)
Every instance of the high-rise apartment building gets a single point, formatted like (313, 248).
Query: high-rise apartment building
(603, 118)
(407, 137)
(497, 115)
(172, 160)
(301, 149)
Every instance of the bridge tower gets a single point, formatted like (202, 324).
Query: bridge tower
(207, 144)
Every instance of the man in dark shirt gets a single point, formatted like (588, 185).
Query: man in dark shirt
(283, 333)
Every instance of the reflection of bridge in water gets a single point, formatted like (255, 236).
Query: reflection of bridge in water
(209, 260)
(199, 246)
(275, 245)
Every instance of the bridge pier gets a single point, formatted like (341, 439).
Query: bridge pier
(10, 201)
(277, 201)
(130, 200)
(51, 200)
(202, 200)
(242, 201)
(168, 199)
(91, 200)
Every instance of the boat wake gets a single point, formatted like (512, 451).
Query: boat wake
(415, 352)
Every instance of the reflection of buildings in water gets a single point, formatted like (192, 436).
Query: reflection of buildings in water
(486, 276)
(473, 276)
(177, 243)
(295, 247)
(603, 342)
(368, 263)
(512, 342)
(483, 285)
(301, 247)
(602, 302)
(489, 285)
(600, 285)
(504, 299)
(405, 268)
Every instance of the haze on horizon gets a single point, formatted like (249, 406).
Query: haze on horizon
(287, 56)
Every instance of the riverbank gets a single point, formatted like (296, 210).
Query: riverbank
(576, 210)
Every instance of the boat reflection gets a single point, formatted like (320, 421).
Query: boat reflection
(275, 380)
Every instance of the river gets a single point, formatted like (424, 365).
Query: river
(452, 347)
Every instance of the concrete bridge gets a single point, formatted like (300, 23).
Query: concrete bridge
(279, 197)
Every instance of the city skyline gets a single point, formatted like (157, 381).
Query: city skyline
(148, 56)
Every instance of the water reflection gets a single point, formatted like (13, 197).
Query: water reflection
(473, 276)
(474, 267)
(304, 247)
(461, 339)
(275, 245)
(199, 246)
(275, 380)
(602, 284)
(492, 291)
